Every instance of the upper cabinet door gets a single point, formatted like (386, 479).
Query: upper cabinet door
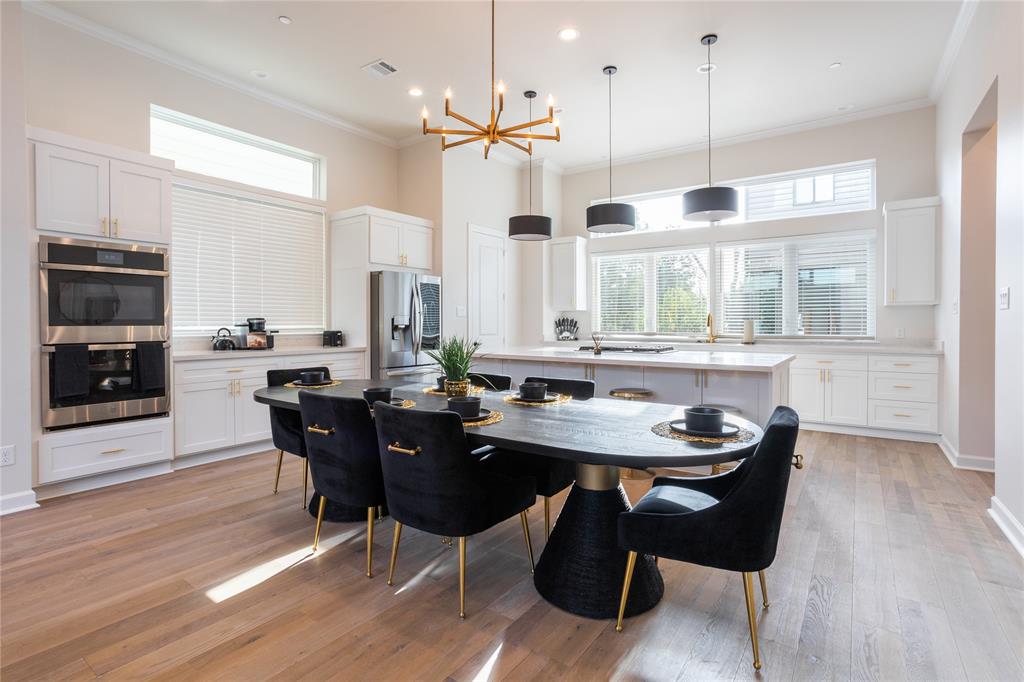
(418, 246)
(140, 202)
(72, 191)
(385, 241)
(910, 256)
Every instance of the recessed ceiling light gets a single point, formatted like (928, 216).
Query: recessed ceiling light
(568, 34)
(835, 65)
(415, 92)
(707, 67)
(259, 74)
(844, 107)
(284, 19)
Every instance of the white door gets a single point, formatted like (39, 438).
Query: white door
(846, 397)
(807, 393)
(385, 241)
(72, 191)
(252, 419)
(140, 202)
(204, 416)
(486, 287)
(417, 246)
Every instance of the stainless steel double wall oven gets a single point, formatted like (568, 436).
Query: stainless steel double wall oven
(105, 330)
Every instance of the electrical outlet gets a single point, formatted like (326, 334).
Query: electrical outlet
(901, 332)
(6, 455)
(460, 311)
(1004, 298)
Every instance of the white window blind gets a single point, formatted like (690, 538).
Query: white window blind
(750, 288)
(236, 257)
(204, 147)
(656, 292)
(836, 189)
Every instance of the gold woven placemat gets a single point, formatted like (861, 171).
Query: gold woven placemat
(430, 390)
(493, 418)
(292, 384)
(405, 404)
(562, 398)
(664, 429)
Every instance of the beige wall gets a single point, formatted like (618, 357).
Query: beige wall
(990, 54)
(82, 86)
(420, 190)
(903, 145)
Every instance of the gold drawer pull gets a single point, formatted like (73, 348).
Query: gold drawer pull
(112, 452)
(902, 364)
(321, 431)
(236, 369)
(901, 386)
(824, 362)
(901, 414)
(394, 447)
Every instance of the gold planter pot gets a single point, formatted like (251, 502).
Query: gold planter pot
(456, 389)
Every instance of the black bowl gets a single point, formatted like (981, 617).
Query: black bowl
(465, 406)
(533, 390)
(440, 382)
(312, 377)
(705, 419)
(372, 395)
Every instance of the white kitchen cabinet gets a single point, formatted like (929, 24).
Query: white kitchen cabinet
(394, 242)
(340, 365)
(74, 453)
(910, 251)
(568, 263)
(846, 397)
(204, 416)
(807, 393)
(252, 419)
(96, 190)
(741, 393)
(608, 377)
(674, 386)
(520, 369)
(418, 247)
(566, 370)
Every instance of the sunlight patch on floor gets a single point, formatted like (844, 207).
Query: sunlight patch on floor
(259, 574)
(419, 577)
(485, 672)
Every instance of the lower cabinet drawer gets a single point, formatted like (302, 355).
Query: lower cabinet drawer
(894, 414)
(917, 364)
(341, 365)
(899, 386)
(84, 452)
(847, 361)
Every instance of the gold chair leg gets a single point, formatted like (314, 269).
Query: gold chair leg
(394, 553)
(370, 511)
(319, 521)
(526, 534)
(305, 481)
(748, 590)
(630, 565)
(547, 518)
(462, 577)
(277, 478)
(764, 589)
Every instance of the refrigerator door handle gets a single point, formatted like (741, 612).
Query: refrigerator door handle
(417, 320)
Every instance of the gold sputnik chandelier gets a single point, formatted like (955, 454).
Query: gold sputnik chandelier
(492, 133)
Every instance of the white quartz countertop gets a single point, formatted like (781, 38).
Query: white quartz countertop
(188, 355)
(681, 359)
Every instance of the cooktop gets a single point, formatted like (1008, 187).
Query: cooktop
(629, 348)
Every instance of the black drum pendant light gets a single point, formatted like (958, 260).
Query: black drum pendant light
(530, 228)
(611, 217)
(710, 203)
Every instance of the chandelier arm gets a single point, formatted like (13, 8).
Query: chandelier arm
(496, 118)
(452, 131)
(469, 122)
(526, 136)
(520, 126)
(467, 140)
(517, 146)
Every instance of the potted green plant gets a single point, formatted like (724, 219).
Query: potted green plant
(455, 356)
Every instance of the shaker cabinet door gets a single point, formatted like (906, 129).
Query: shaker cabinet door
(72, 191)
(204, 416)
(140, 203)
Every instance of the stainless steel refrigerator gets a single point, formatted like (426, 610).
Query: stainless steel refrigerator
(405, 321)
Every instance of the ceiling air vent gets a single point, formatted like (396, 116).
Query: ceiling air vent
(379, 68)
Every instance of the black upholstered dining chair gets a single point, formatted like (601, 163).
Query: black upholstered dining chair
(344, 462)
(286, 425)
(434, 484)
(730, 521)
(491, 382)
(579, 389)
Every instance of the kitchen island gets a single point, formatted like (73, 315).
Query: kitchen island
(750, 384)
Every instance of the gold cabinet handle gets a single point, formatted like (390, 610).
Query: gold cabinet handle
(828, 375)
(319, 431)
(116, 228)
(112, 452)
(892, 295)
(901, 414)
(901, 364)
(236, 369)
(901, 386)
(824, 362)
(821, 376)
(103, 226)
(395, 447)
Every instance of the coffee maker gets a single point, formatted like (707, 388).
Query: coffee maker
(253, 334)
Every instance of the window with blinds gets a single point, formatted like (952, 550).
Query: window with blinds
(658, 292)
(836, 189)
(820, 286)
(235, 256)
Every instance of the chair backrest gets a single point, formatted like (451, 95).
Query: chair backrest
(345, 463)
(579, 389)
(280, 377)
(491, 382)
(439, 489)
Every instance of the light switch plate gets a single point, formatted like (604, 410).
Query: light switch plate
(6, 455)
(901, 333)
(956, 306)
(1004, 298)
(460, 311)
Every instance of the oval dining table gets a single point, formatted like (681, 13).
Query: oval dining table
(581, 568)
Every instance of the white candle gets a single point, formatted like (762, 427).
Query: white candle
(748, 331)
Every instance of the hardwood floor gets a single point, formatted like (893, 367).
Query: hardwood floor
(888, 568)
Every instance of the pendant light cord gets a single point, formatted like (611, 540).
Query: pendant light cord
(492, 58)
(609, 137)
(709, 113)
(531, 159)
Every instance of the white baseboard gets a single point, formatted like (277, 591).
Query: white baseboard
(16, 502)
(915, 436)
(1012, 528)
(969, 462)
(188, 461)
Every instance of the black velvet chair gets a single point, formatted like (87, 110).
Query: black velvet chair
(730, 521)
(435, 485)
(579, 389)
(286, 425)
(341, 448)
(491, 382)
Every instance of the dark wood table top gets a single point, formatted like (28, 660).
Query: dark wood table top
(598, 431)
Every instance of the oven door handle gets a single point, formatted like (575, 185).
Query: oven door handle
(102, 268)
(104, 346)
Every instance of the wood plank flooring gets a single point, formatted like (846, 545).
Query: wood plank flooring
(888, 568)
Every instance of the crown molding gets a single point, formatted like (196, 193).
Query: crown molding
(953, 44)
(758, 135)
(118, 39)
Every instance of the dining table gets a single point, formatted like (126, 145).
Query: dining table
(581, 568)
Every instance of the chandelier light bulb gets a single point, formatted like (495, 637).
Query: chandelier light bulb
(501, 87)
(551, 100)
(423, 113)
(448, 93)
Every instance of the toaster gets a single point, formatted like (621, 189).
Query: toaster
(334, 338)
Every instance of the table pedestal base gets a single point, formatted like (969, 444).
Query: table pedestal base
(337, 512)
(582, 568)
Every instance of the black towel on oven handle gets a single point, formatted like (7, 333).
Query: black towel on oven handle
(148, 370)
(70, 376)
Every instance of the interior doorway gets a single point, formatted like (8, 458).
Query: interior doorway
(486, 287)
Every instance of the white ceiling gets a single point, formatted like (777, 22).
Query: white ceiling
(772, 59)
